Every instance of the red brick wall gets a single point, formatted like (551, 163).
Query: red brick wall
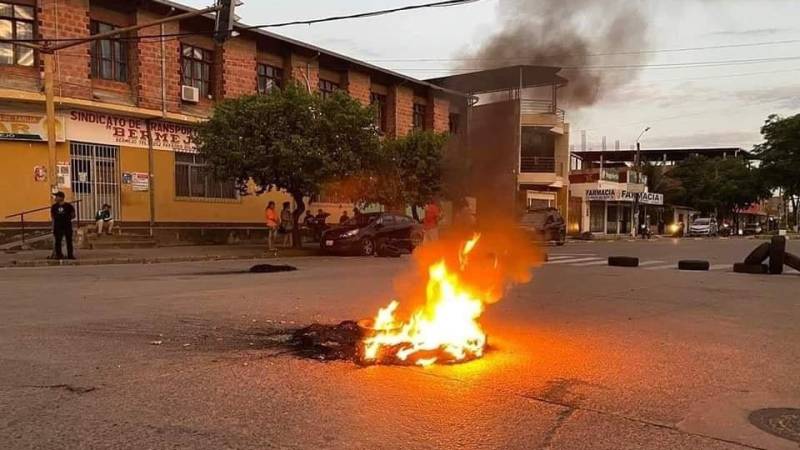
(400, 106)
(438, 114)
(146, 76)
(238, 71)
(67, 19)
(302, 70)
(358, 86)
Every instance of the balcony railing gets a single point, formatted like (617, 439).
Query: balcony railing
(537, 164)
(541, 107)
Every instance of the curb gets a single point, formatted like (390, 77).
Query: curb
(161, 260)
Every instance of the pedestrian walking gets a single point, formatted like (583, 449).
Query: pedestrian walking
(273, 222)
(104, 219)
(344, 218)
(430, 223)
(62, 215)
(287, 224)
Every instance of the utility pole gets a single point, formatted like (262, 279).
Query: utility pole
(637, 164)
(48, 55)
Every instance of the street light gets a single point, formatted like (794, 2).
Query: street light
(637, 164)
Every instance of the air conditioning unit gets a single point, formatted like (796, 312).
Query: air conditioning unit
(190, 94)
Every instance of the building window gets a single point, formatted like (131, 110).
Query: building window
(192, 179)
(196, 63)
(327, 87)
(109, 56)
(379, 102)
(454, 123)
(269, 77)
(16, 22)
(418, 119)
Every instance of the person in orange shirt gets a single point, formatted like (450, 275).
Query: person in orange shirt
(273, 222)
(433, 215)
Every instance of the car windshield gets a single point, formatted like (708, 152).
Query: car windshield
(363, 220)
(702, 221)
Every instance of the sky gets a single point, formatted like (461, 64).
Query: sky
(721, 104)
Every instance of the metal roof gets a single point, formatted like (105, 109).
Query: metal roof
(502, 79)
(658, 154)
(320, 50)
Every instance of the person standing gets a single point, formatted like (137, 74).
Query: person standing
(273, 222)
(62, 215)
(344, 218)
(430, 223)
(287, 224)
(104, 219)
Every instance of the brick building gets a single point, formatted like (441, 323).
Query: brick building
(109, 93)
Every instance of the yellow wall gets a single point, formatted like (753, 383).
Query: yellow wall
(18, 190)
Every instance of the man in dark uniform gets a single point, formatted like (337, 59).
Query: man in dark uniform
(62, 214)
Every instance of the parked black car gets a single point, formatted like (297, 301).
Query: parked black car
(368, 233)
(545, 225)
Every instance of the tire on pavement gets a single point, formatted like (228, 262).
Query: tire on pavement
(623, 261)
(792, 261)
(759, 255)
(777, 254)
(751, 268)
(693, 264)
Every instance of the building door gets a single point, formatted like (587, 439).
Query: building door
(95, 179)
(612, 219)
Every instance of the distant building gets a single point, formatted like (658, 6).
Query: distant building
(517, 136)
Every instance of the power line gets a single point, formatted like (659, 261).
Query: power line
(624, 52)
(382, 12)
(680, 65)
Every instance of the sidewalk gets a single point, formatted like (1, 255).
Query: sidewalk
(38, 258)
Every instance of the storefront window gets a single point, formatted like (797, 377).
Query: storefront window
(597, 217)
(192, 179)
(612, 219)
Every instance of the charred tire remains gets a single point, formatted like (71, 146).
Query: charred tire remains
(777, 255)
(759, 255)
(691, 264)
(623, 261)
(271, 268)
(750, 268)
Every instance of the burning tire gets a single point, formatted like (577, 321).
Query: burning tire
(777, 255)
(691, 264)
(367, 247)
(759, 255)
(792, 261)
(750, 268)
(623, 261)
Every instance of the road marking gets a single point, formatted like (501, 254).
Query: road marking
(593, 263)
(650, 263)
(556, 258)
(570, 255)
(720, 266)
(573, 260)
(665, 266)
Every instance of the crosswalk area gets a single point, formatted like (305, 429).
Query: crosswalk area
(593, 259)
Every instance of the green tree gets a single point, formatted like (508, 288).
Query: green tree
(780, 156)
(408, 172)
(289, 140)
(718, 186)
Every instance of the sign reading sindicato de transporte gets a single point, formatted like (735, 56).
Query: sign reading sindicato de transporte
(112, 129)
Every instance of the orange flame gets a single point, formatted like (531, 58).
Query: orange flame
(445, 329)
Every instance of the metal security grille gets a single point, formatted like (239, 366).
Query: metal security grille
(95, 179)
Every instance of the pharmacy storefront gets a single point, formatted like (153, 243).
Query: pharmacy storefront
(611, 211)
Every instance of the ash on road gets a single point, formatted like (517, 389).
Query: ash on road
(586, 356)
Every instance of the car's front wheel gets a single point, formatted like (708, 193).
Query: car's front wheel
(367, 247)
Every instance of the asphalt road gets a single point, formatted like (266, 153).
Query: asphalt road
(584, 357)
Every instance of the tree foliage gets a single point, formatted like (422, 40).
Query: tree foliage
(780, 156)
(289, 140)
(720, 186)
